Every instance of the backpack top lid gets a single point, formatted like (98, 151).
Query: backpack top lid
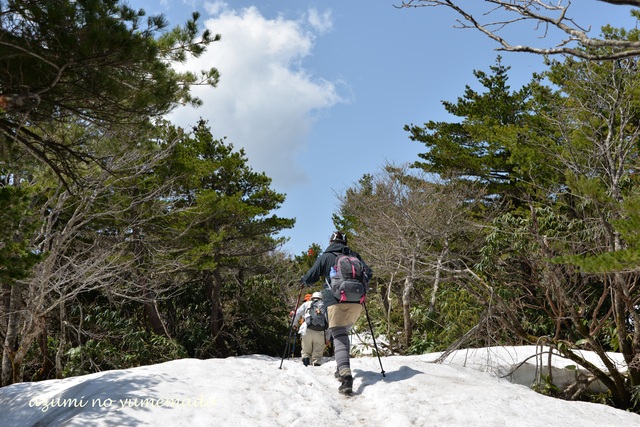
(349, 267)
(316, 295)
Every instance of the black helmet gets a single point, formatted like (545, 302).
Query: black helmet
(339, 237)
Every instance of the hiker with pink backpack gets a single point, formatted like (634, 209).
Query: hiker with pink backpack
(346, 277)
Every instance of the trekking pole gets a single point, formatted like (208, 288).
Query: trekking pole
(374, 337)
(291, 327)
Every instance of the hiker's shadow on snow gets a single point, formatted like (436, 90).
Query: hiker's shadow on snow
(371, 377)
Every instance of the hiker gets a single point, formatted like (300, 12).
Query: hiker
(313, 329)
(342, 315)
(292, 313)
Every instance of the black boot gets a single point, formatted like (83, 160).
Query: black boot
(305, 361)
(347, 385)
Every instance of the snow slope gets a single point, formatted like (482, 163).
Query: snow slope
(466, 389)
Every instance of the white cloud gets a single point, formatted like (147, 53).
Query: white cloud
(265, 101)
(321, 21)
(215, 7)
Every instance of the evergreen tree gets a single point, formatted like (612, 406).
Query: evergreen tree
(98, 63)
(82, 82)
(226, 230)
(486, 145)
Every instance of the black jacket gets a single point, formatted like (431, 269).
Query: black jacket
(323, 264)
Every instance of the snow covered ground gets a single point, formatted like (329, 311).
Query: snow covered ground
(465, 390)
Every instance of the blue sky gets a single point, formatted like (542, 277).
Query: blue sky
(318, 92)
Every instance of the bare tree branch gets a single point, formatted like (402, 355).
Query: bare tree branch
(405, 226)
(623, 2)
(86, 234)
(499, 14)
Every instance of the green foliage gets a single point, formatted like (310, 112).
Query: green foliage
(610, 338)
(172, 228)
(456, 313)
(116, 339)
(624, 259)
(226, 199)
(305, 260)
(262, 322)
(95, 62)
(17, 256)
(481, 146)
(545, 386)
(635, 396)
(421, 340)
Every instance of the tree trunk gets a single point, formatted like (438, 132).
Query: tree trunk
(62, 342)
(406, 310)
(386, 302)
(148, 297)
(153, 315)
(436, 281)
(213, 282)
(47, 363)
(11, 338)
(34, 324)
